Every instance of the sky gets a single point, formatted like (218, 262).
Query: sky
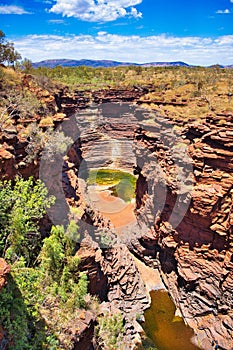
(197, 32)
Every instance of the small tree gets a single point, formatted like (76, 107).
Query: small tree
(26, 65)
(52, 253)
(51, 142)
(8, 53)
(17, 104)
(2, 36)
(61, 268)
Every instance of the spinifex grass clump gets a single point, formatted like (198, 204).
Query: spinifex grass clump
(121, 183)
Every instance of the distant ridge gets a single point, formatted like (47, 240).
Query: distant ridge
(83, 62)
(165, 64)
(108, 63)
(101, 63)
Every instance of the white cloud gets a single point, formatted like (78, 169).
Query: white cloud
(12, 10)
(224, 11)
(97, 10)
(138, 49)
(56, 21)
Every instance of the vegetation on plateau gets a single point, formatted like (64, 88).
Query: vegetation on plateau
(181, 93)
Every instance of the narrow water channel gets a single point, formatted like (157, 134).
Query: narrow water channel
(167, 331)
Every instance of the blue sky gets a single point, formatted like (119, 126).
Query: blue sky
(197, 32)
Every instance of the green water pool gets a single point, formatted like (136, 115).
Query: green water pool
(167, 331)
(121, 183)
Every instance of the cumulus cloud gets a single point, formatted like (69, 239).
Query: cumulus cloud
(193, 50)
(12, 10)
(97, 10)
(224, 11)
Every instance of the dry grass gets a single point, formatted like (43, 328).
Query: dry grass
(187, 93)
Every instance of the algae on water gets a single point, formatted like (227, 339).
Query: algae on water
(121, 183)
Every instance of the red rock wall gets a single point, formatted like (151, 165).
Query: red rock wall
(196, 257)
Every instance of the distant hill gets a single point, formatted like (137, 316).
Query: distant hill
(109, 63)
(101, 63)
(83, 62)
(165, 64)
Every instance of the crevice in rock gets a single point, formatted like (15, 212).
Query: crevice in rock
(194, 258)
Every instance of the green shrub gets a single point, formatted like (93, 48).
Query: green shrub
(22, 205)
(19, 316)
(64, 280)
(55, 281)
(109, 331)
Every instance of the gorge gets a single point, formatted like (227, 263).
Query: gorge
(183, 212)
(178, 226)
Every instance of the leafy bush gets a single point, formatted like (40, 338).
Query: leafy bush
(16, 103)
(63, 278)
(22, 205)
(109, 331)
(19, 315)
(52, 253)
(56, 281)
(40, 277)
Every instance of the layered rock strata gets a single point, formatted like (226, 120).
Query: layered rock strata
(114, 278)
(183, 206)
(195, 254)
(184, 210)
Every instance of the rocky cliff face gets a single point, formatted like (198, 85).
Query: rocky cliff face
(115, 279)
(14, 137)
(195, 255)
(183, 207)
